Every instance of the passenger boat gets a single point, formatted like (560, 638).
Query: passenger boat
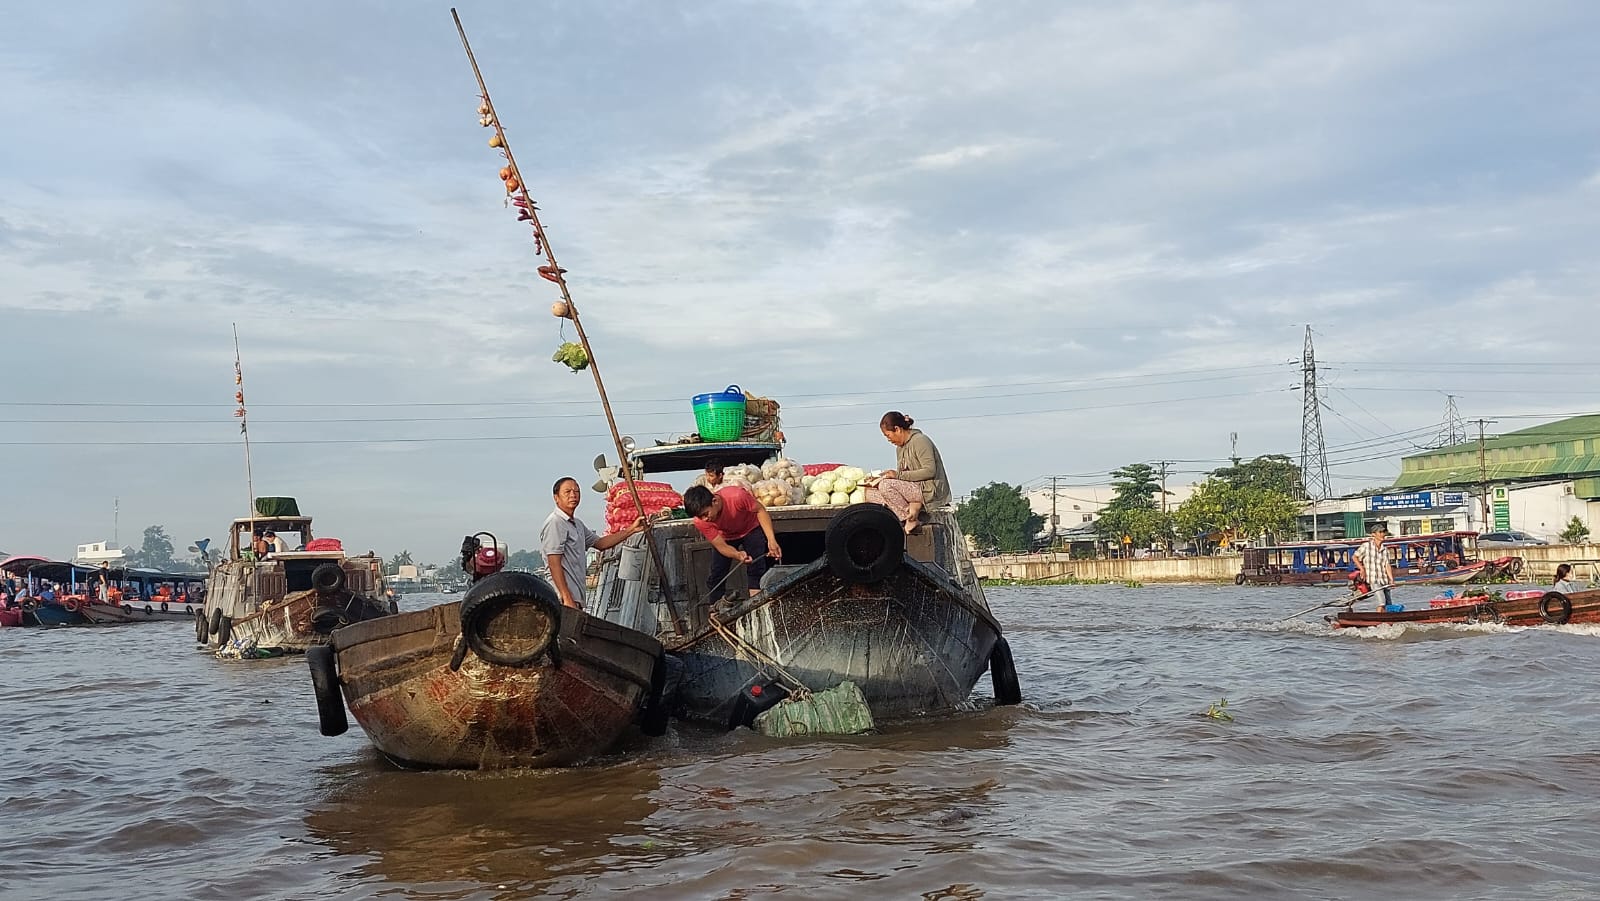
(1439, 558)
(144, 595)
(856, 600)
(1514, 608)
(505, 677)
(291, 599)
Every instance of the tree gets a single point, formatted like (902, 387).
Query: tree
(997, 515)
(1273, 472)
(1575, 532)
(1220, 509)
(525, 561)
(1134, 513)
(157, 550)
(398, 560)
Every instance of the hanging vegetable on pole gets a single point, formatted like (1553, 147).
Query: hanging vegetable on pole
(576, 355)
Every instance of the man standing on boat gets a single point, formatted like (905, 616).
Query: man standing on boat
(739, 528)
(565, 542)
(1373, 563)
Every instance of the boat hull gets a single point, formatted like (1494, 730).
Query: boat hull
(1460, 575)
(51, 614)
(1530, 611)
(397, 682)
(142, 612)
(915, 643)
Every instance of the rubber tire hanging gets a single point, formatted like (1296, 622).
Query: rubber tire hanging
(864, 543)
(1003, 674)
(494, 593)
(1555, 597)
(328, 579)
(324, 664)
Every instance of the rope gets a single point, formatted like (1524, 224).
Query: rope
(746, 650)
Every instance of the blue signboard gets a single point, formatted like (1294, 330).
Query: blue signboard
(1411, 500)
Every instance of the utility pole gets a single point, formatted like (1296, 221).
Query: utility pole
(1483, 476)
(1313, 450)
(1164, 465)
(1055, 524)
(1233, 438)
(116, 518)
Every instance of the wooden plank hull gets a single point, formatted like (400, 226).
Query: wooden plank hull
(915, 644)
(1511, 612)
(396, 679)
(292, 625)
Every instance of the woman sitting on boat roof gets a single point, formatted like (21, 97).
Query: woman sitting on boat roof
(919, 481)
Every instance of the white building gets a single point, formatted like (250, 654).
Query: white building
(1542, 511)
(99, 552)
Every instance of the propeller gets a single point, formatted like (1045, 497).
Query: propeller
(604, 475)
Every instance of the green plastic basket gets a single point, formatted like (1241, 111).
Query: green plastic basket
(720, 422)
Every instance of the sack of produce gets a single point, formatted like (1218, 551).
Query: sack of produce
(841, 710)
(774, 493)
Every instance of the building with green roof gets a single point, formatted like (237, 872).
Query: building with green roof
(1567, 450)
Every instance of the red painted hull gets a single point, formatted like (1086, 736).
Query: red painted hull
(1535, 611)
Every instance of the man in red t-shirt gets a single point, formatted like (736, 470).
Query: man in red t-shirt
(738, 527)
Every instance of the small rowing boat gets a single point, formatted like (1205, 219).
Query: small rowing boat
(1514, 608)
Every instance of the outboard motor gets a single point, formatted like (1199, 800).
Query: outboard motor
(479, 559)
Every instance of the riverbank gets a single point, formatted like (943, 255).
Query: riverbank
(1541, 561)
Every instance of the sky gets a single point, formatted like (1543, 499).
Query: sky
(1062, 236)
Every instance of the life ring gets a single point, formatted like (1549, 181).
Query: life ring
(1003, 674)
(328, 579)
(71, 605)
(1550, 599)
(325, 683)
(1238, 579)
(501, 633)
(216, 621)
(864, 543)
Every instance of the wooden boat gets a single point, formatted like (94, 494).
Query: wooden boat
(505, 677)
(1513, 609)
(292, 599)
(1439, 558)
(856, 600)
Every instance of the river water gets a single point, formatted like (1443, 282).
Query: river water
(1436, 762)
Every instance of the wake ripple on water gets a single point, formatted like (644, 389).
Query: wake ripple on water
(1416, 762)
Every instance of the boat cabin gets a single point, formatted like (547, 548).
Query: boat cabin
(630, 593)
(282, 572)
(1312, 562)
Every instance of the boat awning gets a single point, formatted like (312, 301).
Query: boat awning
(19, 564)
(695, 457)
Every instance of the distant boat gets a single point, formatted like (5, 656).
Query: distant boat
(292, 599)
(1514, 608)
(1438, 558)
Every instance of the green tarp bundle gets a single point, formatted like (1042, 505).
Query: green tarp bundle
(277, 506)
(841, 710)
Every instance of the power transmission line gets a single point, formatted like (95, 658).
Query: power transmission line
(1313, 448)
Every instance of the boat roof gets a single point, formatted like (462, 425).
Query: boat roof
(289, 523)
(696, 456)
(1353, 542)
(20, 562)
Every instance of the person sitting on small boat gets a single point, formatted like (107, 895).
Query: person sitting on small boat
(1564, 581)
(565, 542)
(919, 481)
(49, 593)
(739, 528)
(1374, 567)
(711, 478)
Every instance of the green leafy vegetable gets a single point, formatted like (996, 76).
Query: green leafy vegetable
(572, 354)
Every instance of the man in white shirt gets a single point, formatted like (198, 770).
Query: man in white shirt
(565, 542)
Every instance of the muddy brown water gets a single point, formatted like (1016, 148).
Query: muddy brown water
(1434, 762)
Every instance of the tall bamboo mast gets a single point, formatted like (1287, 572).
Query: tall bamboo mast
(244, 423)
(553, 272)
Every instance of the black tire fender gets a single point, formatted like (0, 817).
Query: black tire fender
(163, 606)
(1238, 579)
(663, 690)
(328, 578)
(495, 597)
(1003, 674)
(201, 632)
(224, 630)
(216, 622)
(325, 682)
(325, 619)
(864, 543)
(1553, 599)
(148, 611)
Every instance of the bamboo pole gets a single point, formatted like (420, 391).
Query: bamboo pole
(244, 425)
(557, 276)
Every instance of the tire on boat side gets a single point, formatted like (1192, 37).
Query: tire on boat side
(663, 688)
(224, 630)
(325, 619)
(216, 622)
(201, 628)
(511, 618)
(1003, 674)
(327, 579)
(864, 543)
(325, 682)
(1238, 579)
(1555, 599)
